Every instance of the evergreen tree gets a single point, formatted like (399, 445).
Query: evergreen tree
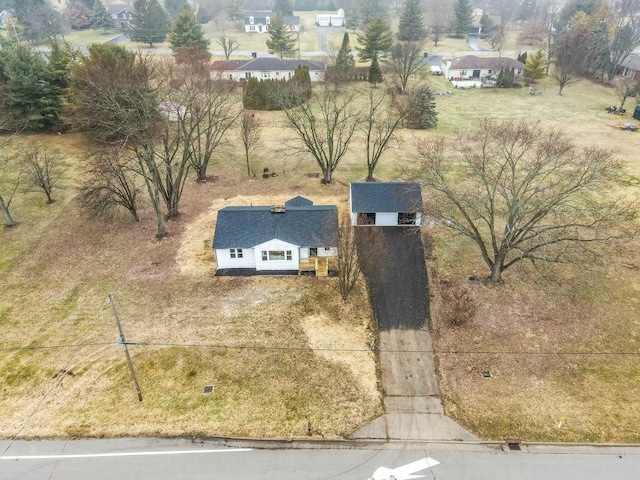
(172, 7)
(421, 109)
(506, 78)
(411, 27)
(345, 63)
(280, 39)
(535, 66)
(375, 75)
(353, 19)
(463, 12)
(100, 17)
(283, 7)
(235, 10)
(370, 9)
(522, 57)
(599, 52)
(30, 96)
(150, 23)
(186, 33)
(377, 41)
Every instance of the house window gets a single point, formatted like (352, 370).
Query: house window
(289, 255)
(232, 253)
(327, 249)
(519, 72)
(268, 20)
(265, 74)
(264, 255)
(252, 28)
(366, 219)
(406, 218)
(490, 72)
(276, 255)
(235, 253)
(313, 252)
(239, 250)
(463, 73)
(251, 20)
(277, 74)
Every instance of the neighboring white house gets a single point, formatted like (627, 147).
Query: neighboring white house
(264, 68)
(258, 22)
(5, 18)
(472, 71)
(385, 204)
(335, 19)
(291, 238)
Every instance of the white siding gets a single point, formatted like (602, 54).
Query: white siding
(224, 260)
(278, 245)
(386, 219)
(304, 252)
(418, 218)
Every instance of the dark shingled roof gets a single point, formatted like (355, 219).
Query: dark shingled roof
(298, 202)
(385, 197)
(261, 17)
(305, 225)
(632, 62)
(265, 64)
(470, 62)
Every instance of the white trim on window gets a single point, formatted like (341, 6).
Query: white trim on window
(251, 20)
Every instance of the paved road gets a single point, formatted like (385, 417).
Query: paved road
(134, 459)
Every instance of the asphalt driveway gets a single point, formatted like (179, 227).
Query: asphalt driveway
(392, 261)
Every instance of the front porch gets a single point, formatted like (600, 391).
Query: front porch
(319, 265)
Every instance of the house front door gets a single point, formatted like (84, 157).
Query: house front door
(476, 74)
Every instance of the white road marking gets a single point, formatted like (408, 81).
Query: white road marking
(405, 472)
(122, 454)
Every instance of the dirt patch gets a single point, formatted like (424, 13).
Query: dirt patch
(346, 345)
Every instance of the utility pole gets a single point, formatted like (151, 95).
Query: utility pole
(123, 342)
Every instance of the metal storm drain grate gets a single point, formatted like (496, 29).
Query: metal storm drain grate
(513, 443)
(207, 389)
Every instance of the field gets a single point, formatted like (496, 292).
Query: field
(284, 351)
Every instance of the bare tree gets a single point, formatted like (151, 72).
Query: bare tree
(624, 88)
(250, 133)
(505, 10)
(379, 125)
(625, 25)
(564, 74)
(406, 59)
(116, 95)
(569, 61)
(324, 127)
(228, 46)
(520, 191)
(110, 183)
(41, 169)
(348, 267)
(439, 15)
(10, 177)
(209, 109)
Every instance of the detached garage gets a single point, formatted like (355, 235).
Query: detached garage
(385, 204)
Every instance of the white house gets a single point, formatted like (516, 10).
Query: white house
(335, 19)
(385, 204)
(287, 239)
(470, 70)
(6, 16)
(264, 68)
(258, 22)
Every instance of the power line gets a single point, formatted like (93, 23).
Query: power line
(336, 350)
